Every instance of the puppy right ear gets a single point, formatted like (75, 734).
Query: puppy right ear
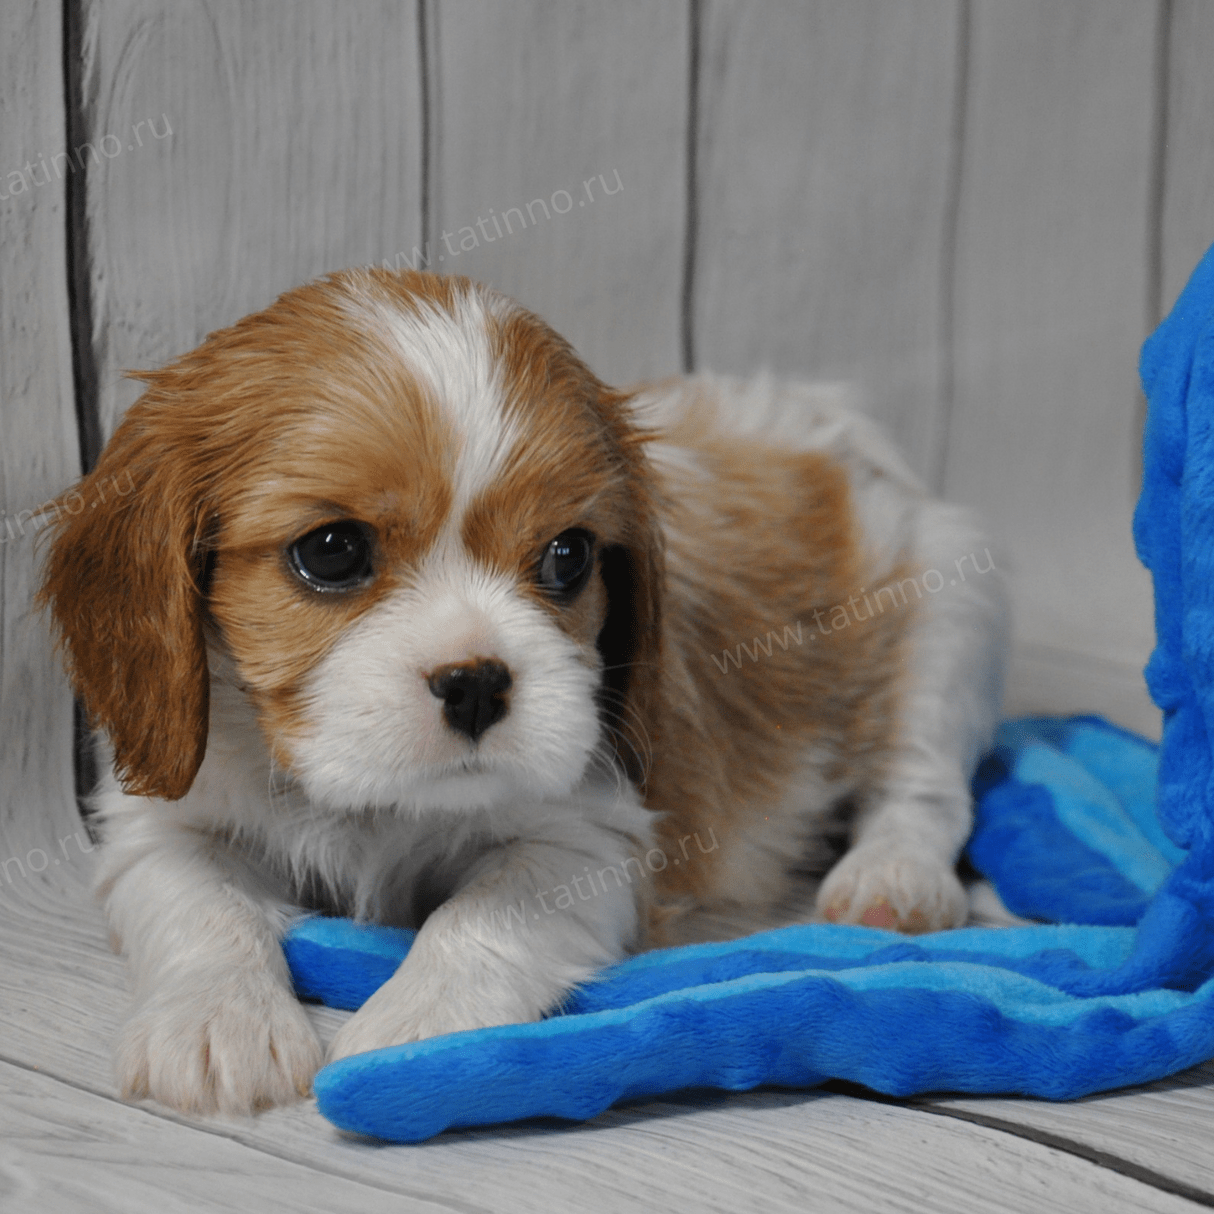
(122, 582)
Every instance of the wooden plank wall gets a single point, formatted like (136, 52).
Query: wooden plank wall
(566, 123)
(1052, 286)
(972, 208)
(976, 209)
(258, 146)
(824, 194)
(39, 456)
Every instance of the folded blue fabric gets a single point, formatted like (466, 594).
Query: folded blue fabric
(1065, 826)
(1064, 830)
(1101, 834)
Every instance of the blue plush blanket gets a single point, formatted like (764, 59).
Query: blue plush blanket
(1101, 836)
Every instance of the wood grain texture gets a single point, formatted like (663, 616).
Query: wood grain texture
(1051, 293)
(539, 97)
(1161, 1128)
(39, 456)
(825, 158)
(753, 1151)
(1188, 165)
(64, 1148)
(292, 148)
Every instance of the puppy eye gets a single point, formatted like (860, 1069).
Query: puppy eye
(565, 563)
(336, 556)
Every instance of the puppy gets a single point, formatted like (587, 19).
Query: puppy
(404, 615)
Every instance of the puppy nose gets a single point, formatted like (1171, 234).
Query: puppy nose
(473, 693)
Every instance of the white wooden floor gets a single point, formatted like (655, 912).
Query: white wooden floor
(68, 1144)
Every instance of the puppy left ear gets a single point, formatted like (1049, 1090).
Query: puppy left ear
(630, 641)
(122, 584)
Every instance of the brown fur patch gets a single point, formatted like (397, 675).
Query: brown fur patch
(121, 580)
(759, 539)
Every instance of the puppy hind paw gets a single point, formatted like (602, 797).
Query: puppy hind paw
(234, 1047)
(900, 892)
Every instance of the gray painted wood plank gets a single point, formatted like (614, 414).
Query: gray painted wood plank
(1188, 168)
(560, 138)
(284, 142)
(825, 162)
(1051, 293)
(66, 1149)
(1162, 1127)
(772, 1150)
(761, 1150)
(755, 1151)
(39, 454)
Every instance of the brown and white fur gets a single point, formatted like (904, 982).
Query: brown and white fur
(280, 745)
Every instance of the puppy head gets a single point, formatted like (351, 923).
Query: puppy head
(418, 526)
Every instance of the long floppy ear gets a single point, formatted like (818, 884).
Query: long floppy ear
(630, 642)
(122, 583)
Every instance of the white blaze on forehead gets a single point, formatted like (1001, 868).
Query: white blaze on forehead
(451, 356)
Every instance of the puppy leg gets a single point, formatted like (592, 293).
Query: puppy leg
(899, 872)
(215, 1025)
(531, 921)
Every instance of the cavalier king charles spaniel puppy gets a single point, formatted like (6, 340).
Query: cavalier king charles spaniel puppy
(407, 616)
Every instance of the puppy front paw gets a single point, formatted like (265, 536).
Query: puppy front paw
(233, 1044)
(429, 999)
(393, 1016)
(884, 885)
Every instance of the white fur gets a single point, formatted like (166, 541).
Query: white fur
(908, 835)
(376, 736)
(450, 356)
(200, 891)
